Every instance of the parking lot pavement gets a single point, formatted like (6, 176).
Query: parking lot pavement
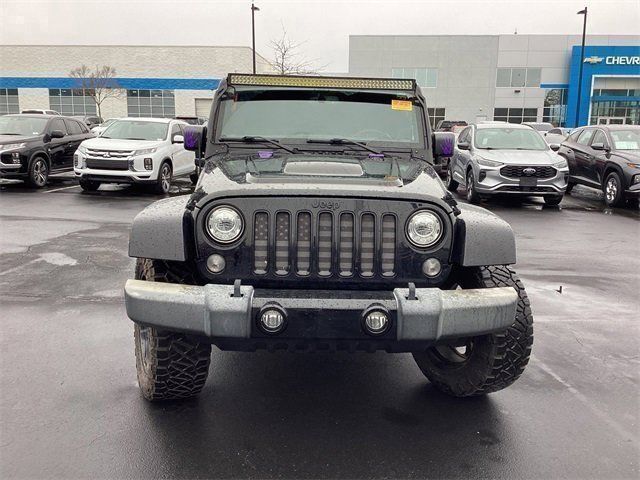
(70, 406)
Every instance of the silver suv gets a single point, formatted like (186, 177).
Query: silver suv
(509, 159)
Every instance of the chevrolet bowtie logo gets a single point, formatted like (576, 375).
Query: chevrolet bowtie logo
(593, 59)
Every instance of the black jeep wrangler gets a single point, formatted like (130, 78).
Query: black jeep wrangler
(319, 223)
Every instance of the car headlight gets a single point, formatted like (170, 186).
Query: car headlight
(561, 164)
(11, 146)
(424, 229)
(145, 151)
(225, 224)
(636, 179)
(488, 163)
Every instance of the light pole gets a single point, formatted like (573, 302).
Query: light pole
(254, 9)
(584, 34)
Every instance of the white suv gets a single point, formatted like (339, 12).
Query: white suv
(135, 150)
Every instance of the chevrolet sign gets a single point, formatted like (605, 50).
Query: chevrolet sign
(613, 60)
(593, 59)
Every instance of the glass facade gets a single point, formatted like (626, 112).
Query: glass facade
(613, 112)
(555, 107)
(9, 101)
(435, 115)
(426, 77)
(515, 115)
(71, 101)
(151, 103)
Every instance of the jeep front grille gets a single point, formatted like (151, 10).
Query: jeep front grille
(334, 254)
(517, 171)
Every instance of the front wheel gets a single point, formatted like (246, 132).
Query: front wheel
(472, 195)
(553, 200)
(38, 173)
(163, 184)
(89, 185)
(487, 363)
(613, 191)
(449, 182)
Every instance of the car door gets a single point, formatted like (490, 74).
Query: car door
(57, 146)
(583, 154)
(183, 160)
(77, 133)
(598, 159)
(462, 157)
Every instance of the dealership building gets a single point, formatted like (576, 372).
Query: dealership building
(513, 78)
(153, 81)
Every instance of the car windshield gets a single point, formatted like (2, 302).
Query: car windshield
(509, 139)
(136, 130)
(626, 139)
(297, 116)
(26, 126)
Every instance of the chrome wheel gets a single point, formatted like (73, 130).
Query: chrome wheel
(611, 190)
(40, 172)
(165, 178)
(470, 187)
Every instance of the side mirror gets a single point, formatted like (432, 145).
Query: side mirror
(56, 134)
(195, 139)
(463, 145)
(599, 146)
(177, 139)
(554, 146)
(443, 143)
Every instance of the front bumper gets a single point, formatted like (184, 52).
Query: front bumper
(115, 176)
(490, 181)
(228, 317)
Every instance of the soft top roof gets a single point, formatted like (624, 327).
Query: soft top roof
(316, 82)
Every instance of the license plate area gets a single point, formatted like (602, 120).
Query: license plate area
(528, 181)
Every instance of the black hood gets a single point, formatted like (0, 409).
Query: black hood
(4, 139)
(327, 175)
(632, 156)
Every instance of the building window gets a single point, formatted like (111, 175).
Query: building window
(9, 101)
(615, 112)
(515, 115)
(151, 103)
(555, 107)
(425, 77)
(518, 77)
(71, 101)
(435, 115)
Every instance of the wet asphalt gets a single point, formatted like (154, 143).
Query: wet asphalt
(70, 406)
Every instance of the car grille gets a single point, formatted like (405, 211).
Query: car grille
(114, 154)
(537, 171)
(107, 164)
(346, 244)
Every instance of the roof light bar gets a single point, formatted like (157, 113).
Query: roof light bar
(322, 82)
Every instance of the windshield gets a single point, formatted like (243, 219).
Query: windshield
(509, 139)
(626, 139)
(136, 130)
(307, 115)
(26, 126)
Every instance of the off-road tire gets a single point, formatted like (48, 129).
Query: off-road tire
(613, 190)
(174, 365)
(89, 185)
(552, 200)
(38, 173)
(496, 360)
(472, 195)
(449, 182)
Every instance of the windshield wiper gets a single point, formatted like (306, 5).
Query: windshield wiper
(345, 141)
(9, 133)
(130, 138)
(258, 139)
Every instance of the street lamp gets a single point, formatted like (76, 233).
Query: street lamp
(584, 34)
(253, 34)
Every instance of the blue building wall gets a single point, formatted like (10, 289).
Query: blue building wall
(600, 60)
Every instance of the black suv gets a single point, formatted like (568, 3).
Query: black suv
(320, 223)
(606, 157)
(32, 146)
(89, 120)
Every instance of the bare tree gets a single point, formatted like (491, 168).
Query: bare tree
(287, 59)
(99, 84)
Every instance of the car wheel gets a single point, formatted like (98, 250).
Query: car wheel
(553, 200)
(450, 183)
(472, 195)
(487, 363)
(38, 173)
(170, 365)
(569, 188)
(613, 192)
(163, 184)
(89, 186)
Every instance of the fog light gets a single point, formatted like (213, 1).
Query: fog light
(376, 322)
(15, 157)
(272, 320)
(431, 267)
(482, 175)
(148, 163)
(216, 263)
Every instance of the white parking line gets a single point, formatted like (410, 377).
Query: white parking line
(62, 188)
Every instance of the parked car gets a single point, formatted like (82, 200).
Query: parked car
(556, 135)
(192, 120)
(322, 226)
(509, 159)
(539, 126)
(606, 157)
(41, 112)
(33, 146)
(448, 125)
(97, 130)
(89, 120)
(135, 150)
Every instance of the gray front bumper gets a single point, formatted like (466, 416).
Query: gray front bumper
(214, 312)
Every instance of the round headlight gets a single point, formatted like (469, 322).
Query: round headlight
(424, 229)
(224, 224)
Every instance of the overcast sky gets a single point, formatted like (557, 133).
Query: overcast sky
(323, 25)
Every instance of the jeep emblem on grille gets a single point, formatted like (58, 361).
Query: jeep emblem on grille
(529, 171)
(327, 204)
